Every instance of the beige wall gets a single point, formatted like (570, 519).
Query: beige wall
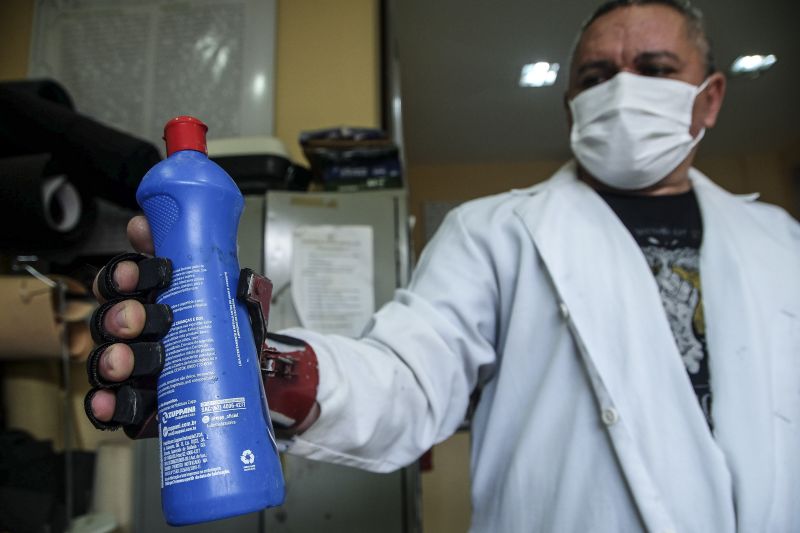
(16, 19)
(457, 183)
(327, 67)
(772, 174)
(445, 489)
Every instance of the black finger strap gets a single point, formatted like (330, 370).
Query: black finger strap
(154, 274)
(148, 360)
(146, 430)
(133, 408)
(93, 367)
(158, 319)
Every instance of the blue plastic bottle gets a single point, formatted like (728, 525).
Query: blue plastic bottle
(218, 453)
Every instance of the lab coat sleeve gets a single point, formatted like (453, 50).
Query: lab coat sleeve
(405, 385)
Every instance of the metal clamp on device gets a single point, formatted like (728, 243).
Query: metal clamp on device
(290, 377)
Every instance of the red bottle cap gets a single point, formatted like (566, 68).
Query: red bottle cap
(185, 133)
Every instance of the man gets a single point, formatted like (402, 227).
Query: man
(616, 395)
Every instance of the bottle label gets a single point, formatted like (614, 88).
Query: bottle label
(190, 348)
(183, 448)
(187, 424)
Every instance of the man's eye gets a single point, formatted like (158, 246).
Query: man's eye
(656, 70)
(591, 81)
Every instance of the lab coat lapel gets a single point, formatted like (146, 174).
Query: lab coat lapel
(739, 305)
(618, 322)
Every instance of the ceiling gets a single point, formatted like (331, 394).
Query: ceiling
(460, 62)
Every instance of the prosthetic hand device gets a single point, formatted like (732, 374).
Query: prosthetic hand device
(290, 374)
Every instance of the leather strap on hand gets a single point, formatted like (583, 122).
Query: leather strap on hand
(291, 378)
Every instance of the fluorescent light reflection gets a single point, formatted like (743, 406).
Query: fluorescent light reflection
(753, 64)
(539, 74)
(259, 85)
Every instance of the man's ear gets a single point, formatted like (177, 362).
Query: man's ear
(712, 99)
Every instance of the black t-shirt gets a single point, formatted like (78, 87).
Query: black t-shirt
(669, 230)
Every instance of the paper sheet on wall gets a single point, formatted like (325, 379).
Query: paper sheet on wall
(133, 64)
(332, 278)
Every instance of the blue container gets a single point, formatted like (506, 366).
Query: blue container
(218, 452)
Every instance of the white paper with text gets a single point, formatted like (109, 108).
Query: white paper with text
(332, 278)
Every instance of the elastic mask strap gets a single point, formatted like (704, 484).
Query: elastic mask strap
(697, 139)
(702, 87)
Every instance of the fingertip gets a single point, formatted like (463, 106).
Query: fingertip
(125, 319)
(140, 236)
(126, 276)
(116, 363)
(103, 404)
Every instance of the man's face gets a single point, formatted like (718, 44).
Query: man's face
(650, 40)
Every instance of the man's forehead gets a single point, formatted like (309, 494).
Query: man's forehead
(627, 31)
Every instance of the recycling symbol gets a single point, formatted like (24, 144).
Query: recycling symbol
(247, 457)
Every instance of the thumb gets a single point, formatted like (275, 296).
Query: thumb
(139, 235)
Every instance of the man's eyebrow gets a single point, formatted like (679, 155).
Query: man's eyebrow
(657, 54)
(603, 64)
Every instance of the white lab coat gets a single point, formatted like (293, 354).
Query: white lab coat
(587, 420)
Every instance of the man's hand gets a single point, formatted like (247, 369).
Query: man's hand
(124, 369)
(128, 327)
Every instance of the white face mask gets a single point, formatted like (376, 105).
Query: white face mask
(631, 131)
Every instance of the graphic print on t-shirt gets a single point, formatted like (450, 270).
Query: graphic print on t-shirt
(678, 276)
(669, 231)
(676, 271)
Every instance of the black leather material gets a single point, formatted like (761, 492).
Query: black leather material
(155, 274)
